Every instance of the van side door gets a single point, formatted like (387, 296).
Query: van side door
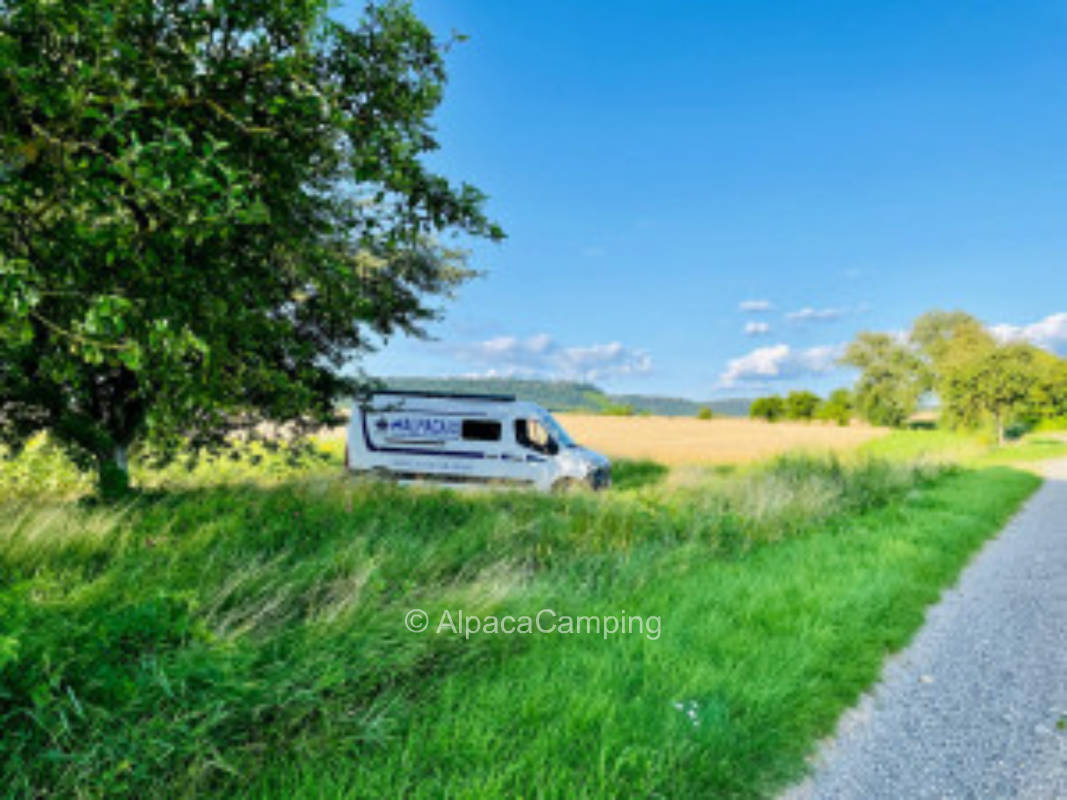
(529, 458)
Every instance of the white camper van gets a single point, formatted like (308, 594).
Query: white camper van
(467, 438)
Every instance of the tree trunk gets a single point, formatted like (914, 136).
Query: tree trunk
(113, 473)
(1000, 427)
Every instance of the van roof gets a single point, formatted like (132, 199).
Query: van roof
(491, 398)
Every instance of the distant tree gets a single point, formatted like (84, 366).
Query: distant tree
(837, 407)
(618, 410)
(950, 341)
(947, 336)
(1048, 397)
(892, 378)
(705, 413)
(207, 211)
(801, 404)
(975, 379)
(997, 383)
(769, 408)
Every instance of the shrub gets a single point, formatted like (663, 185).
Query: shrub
(837, 407)
(769, 408)
(801, 404)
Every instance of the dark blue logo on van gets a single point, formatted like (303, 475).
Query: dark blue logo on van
(424, 428)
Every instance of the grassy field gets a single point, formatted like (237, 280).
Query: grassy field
(969, 449)
(685, 440)
(239, 628)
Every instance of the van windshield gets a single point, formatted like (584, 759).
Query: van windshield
(556, 430)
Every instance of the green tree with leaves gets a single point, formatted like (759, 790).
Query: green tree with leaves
(801, 404)
(892, 378)
(949, 341)
(996, 383)
(207, 212)
(945, 337)
(1048, 396)
(837, 407)
(770, 408)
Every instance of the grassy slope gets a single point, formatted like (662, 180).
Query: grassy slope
(250, 639)
(771, 648)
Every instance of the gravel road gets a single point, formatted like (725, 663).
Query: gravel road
(976, 706)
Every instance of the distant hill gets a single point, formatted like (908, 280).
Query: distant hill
(572, 395)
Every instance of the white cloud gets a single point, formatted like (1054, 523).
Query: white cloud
(755, 305)
(809, 314)
(1049, 333)
(540, 356)
(779, 362)
(757, 328)
(541, 343)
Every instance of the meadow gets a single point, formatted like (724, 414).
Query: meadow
(238, 627)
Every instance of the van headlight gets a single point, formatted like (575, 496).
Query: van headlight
(600, 477)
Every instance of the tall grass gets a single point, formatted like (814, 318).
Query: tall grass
(243, 632)
(42, 470)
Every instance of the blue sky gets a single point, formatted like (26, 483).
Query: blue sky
(657, 165)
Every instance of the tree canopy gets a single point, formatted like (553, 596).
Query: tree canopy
(770, 408)
(976, 379)
(837, 407)
(996, 382)
(207, 211)
(801, 404)
(892, 378)
(943, 337)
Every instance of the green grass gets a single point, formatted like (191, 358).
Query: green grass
(766, 649)
(973, 449)
(239, 629)
(1053, 424)
(42, 470)
(1031, 448)
(636, 474)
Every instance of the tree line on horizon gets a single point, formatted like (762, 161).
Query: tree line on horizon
(976, 379)
(804, 405)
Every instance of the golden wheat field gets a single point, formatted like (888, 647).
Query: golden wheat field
(686, 440)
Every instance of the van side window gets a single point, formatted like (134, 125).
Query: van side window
(532, 434)
(481, 430)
